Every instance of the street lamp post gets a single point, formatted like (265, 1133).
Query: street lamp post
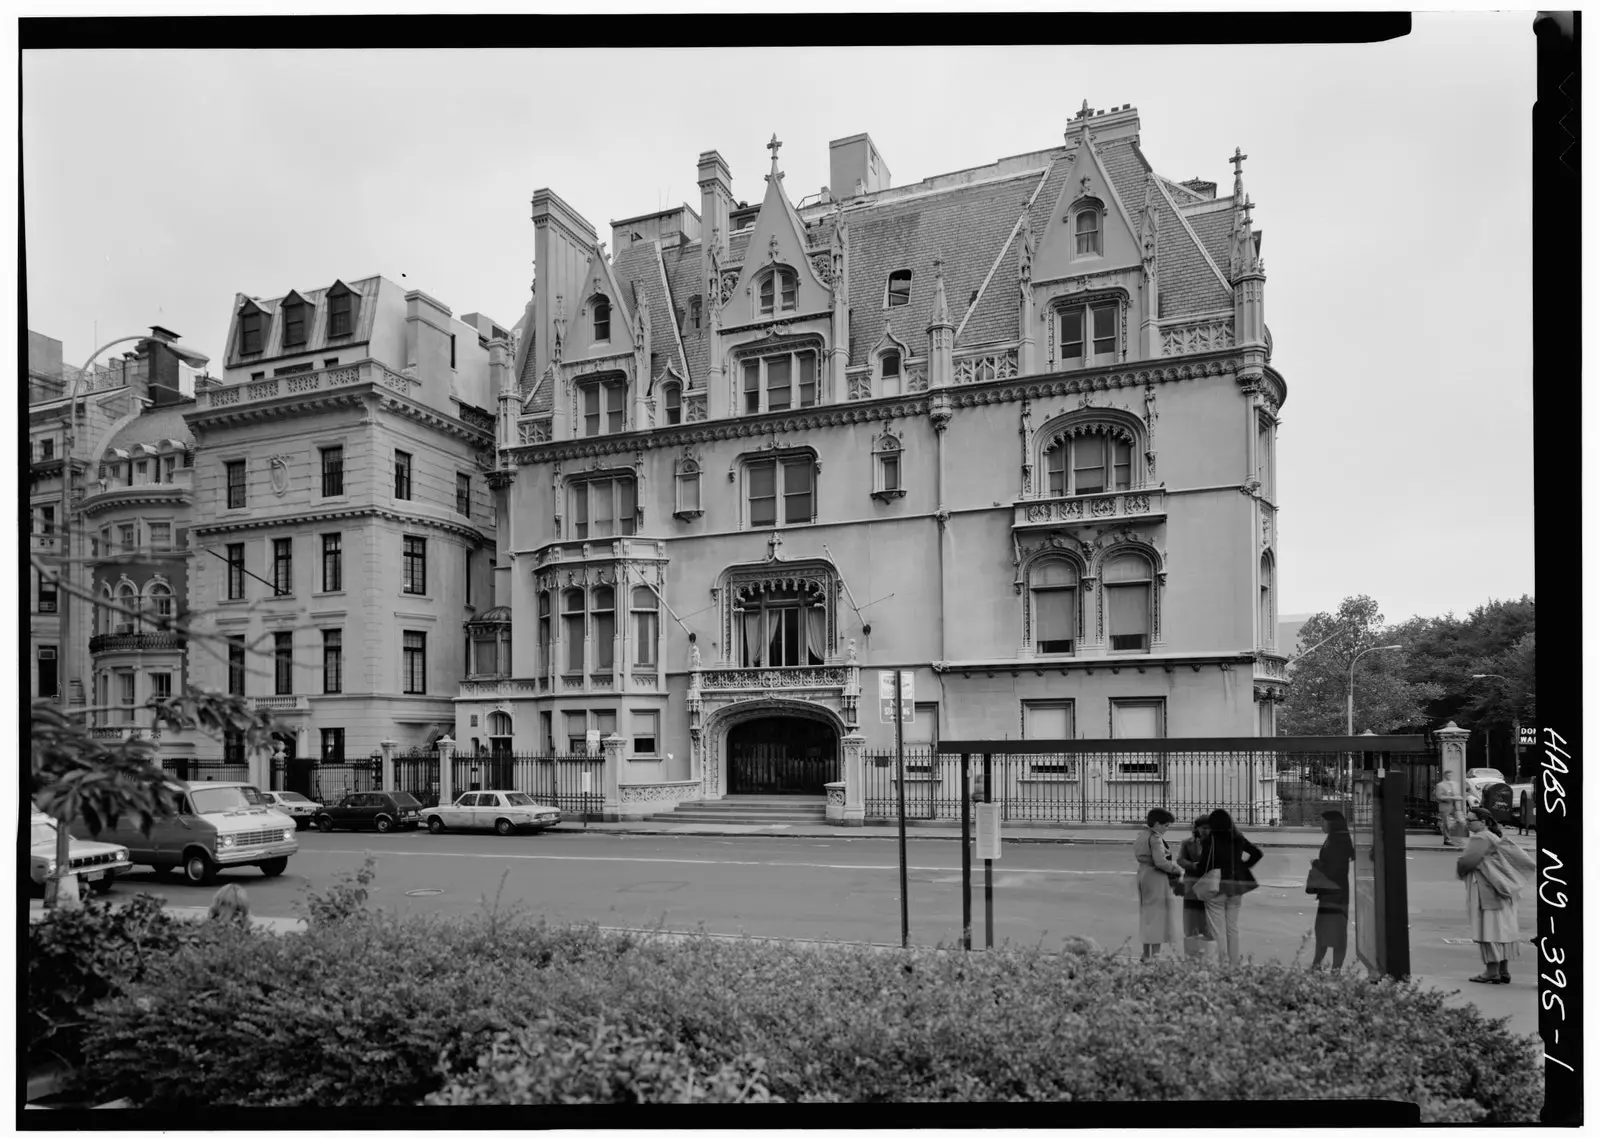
(1350, 688)
(65, 598)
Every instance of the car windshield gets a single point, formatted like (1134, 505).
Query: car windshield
(519, 799)
(219, 799)
(292, 796)
(44, 832)
(405, 801)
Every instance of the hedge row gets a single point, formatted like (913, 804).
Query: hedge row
(374, 1011)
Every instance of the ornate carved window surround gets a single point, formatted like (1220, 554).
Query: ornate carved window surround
(1087, 300)
(814, 579)
(1111, 423)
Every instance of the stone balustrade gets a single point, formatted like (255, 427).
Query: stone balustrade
(324, 379)
(1141, 502)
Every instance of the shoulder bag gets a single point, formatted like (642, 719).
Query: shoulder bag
(1319, 882)
(1209, 883)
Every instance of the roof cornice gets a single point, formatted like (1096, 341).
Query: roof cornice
(323, 516)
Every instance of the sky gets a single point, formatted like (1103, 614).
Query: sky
(1391, 184)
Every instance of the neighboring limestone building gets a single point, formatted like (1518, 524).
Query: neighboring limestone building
(344, 532)
(1010, 428)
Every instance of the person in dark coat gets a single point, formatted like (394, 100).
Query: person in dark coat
(1196, 932)
(1332, 925)
(1230, 852)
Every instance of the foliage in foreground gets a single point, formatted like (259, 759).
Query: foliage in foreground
(373, 1010)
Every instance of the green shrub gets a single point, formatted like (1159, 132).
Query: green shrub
(593, 1061)
(77, 957)
(383, 1011)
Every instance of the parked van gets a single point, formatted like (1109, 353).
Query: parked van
(219, 825)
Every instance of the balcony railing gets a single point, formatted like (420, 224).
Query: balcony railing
(1137, 501)
(498, 688)
(773, 679)
(136, 642)
(280, 703)
(367, 371)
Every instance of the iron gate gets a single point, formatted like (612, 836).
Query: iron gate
(782, 756)
(416, 772)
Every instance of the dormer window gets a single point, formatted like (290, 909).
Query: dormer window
(600, 313)
(296, 322)
(341, 310)
(694, 313)
(672, 403)
(1086, 230)
(1089, 333)
(889, 373)
(251, 325)
(899, 290)
(781, 286)
(779, 381)
(603, 407)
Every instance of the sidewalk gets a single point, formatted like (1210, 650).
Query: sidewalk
(1295, 837)
(36, 912)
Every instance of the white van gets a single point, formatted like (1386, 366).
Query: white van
(219, 825)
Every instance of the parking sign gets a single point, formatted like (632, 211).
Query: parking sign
(886, 697)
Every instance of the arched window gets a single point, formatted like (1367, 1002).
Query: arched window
(1268, 631)
(778, 292)
(605, 627)
(1053, 593)
(1086, 230)
(1088, 460)
(499, 723)
(161, 600)
(645, 626)
(889, 377)
(1128, 585)
(127, 598)
(672, 403)
(572, 616)
(544, 633)
(600, 311)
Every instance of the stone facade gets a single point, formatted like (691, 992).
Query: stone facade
(1010, 428)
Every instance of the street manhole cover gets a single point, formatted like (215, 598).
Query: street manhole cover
(423, 892)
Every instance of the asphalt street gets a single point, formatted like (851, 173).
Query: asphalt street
(838, 889)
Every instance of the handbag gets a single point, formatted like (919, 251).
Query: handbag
(1319, 882)
(1209, 883)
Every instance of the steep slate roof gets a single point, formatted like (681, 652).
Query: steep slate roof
(683, 279)
(995, 320)
(968, 225)
(640, 265)
(1215, 231)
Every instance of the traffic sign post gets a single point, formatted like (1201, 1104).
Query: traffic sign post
(993, 811)
(896, 697)
(901, 686)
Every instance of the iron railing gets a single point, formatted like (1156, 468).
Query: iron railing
(206, 770)
(1261, 782)
(416, 773)
(573, 784)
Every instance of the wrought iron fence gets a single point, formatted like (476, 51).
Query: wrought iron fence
(332, 781)
(416, 772)
(574, 784)
(205, 770)
(1261, 782)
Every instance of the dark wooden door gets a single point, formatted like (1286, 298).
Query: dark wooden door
(782, 756)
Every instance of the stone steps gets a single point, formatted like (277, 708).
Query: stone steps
(752, 810)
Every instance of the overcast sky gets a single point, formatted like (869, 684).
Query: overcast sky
(1391, 184)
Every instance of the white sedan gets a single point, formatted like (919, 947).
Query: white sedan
(295, 805)
(503, 811)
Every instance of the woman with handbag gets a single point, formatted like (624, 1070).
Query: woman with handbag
(1227, 856)
(1196, 932)
(1329, 879)
(1156, 873)
(1491, 866)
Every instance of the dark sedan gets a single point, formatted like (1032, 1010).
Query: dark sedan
(380, 810)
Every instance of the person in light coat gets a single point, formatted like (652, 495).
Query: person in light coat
(1157, 917)
(1491, 868)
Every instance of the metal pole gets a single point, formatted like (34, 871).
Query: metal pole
(966, 852)
(988, 864)
(900, 768)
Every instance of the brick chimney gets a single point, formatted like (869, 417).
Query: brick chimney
(160, 370)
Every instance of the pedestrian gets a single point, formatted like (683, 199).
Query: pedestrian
(230, 905)
(1156, 873)
(1196, 932)
(1332, 866)
(1491, 866)
(1448, 795)
(1228, 855)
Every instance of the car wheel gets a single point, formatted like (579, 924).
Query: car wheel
(325, 824)
(103, 885)
(384, 825)
(504, 827)
(275, 867)
(435, 826)
(197, 868)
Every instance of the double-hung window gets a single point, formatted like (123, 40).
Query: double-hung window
(1086, 231)
(603, 507)
(236, 572)
(402, 475)
(1049, 720)
(49, 594)
(1127, 585)
(1088, 333)
(464, 494)
(126, 681)
(414, 662)
(646, 622)
(332, 472)
(572, 627)
(1088, 464)
(672, 403)
(332, 563)
(1139, 719)
(544, 633)
(283, 663)
(341, 309)
(781, 487)
(414, 564)
(250, 329)
(294, 325)
(779, 382)
(605, 627)
(600, 309)
(282, 566)
(333, 745)
(646, 729)
(236, 665)
(603, 407)
(778, 292)
(1053, 585)
(332, 661)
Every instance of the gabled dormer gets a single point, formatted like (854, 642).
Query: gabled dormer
(297, 314)
(777, 280)
(601, 321)
(1090, 229)
(344, 314)
(254, 325)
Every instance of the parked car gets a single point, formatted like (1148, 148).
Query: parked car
(1480, 779)
(1524, 804)
(503, 811)
(296, 805)
(380, 810)
(98, 863)
(219, 825)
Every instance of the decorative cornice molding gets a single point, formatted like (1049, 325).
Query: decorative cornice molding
(283, 407)
(437, 420)
(152, 495)
(323, 517)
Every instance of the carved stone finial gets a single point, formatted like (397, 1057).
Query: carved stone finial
(1084, 112)
(1238, 173)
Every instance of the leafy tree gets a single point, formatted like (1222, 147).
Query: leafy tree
(1386, 698)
